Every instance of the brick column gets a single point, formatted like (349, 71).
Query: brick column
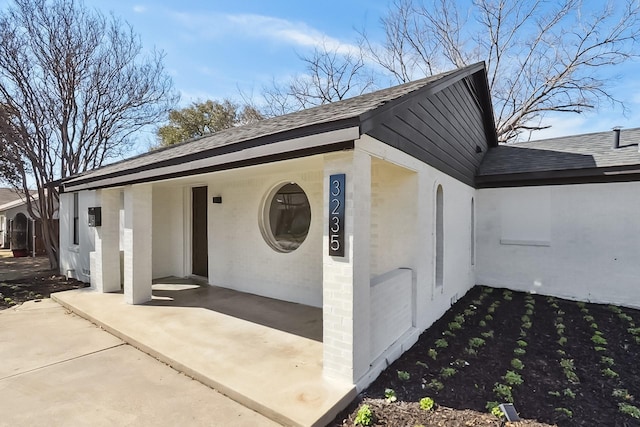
(105, 261)
(137, 243)
(346, 281)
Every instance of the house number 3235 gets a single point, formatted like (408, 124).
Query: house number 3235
(336, 215)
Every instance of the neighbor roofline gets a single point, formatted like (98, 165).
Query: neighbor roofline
(624, 173)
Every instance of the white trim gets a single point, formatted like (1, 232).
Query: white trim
(317, 140)
(525, 242)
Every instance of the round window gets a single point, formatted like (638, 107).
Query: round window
(287, 216)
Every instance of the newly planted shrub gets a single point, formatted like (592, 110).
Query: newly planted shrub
(519, 351)
(448, 372)
(503, 392)
(562, 341)
(482, 324)
(454, 326)
(390, 395)
(424, 365)
(564, 411)
(521, 343)
(426, 403)
(569, 393)
(403, 375)
(629, 410)
(487, 334)
(434, 384)
(432, 353)
(496, 412)
(606, 360)
(622, 393)
(364, 417)
(517, 364)
(608, 372)
(476, 342)
(441, 343)
(598, 339)
(513, 378)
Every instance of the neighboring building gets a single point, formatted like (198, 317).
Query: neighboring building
(19, 231)
(382, 209)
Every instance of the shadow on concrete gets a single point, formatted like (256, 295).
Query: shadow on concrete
(298, 319)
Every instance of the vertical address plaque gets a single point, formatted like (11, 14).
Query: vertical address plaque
(336, 215)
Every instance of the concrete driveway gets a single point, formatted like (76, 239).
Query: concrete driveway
(57, 369)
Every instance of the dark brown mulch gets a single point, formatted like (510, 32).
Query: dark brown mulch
(14, 292)
(546, 396)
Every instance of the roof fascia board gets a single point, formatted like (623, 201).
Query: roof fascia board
(214, 162)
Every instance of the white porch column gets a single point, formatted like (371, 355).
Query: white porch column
(105, 261)
(346, 281)
(137, 243)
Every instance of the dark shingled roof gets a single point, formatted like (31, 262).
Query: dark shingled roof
(329, 113)
(8, 195)
(567, 153)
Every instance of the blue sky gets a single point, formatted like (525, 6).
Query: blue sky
(214, 49)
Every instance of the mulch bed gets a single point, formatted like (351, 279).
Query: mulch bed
(564, 377)
(14, 292)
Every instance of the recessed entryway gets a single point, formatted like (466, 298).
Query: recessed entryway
(199, 238)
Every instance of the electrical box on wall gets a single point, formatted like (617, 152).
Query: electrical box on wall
(95, 216)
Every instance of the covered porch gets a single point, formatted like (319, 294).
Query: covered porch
(261, 352)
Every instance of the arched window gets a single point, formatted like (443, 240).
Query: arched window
(439, 237)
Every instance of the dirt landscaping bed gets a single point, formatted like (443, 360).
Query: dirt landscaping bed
(14, 292)
(560, 362)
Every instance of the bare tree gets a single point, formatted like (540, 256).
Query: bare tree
(330, 75)
(74, 87)
(541, 56)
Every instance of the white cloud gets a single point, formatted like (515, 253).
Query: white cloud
(138, 8)
(218, 25)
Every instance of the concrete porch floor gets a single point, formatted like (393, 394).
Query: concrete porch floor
(266, 354)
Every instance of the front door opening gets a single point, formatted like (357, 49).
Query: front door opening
(199, 240)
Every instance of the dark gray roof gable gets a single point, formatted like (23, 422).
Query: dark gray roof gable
(360, 113)
(569, 159)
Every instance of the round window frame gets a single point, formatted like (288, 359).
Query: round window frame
(264, 221)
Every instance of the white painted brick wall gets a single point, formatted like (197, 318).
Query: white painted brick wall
(592, 233)
(390, 309)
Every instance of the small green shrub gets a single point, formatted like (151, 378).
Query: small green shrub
(562, 341)
(567, 364)
(432, 353)
(581, 304)
(554, 393)
(488, 317)
(519, 351)
(517, 364)
(529, 306)
(441, 343)
(448, 372)
(496, 412)
(594, 326)
(634, 331)
(488, 334)
(629, 410)
(564, 411)
(470, 351)
(482, 324)
(606, 360)
(608, 372)
(469, 311)
(476, 342)
(422, 364)
(448, 333)
(589, 318)
(525, 318)
(454, 326)
(426, 403)
(503, 392)
(513, 378)
(434, 384)
(622, 393)
(364, 417)
(390, 395)
(569, 393)
(625, 317)
(599, 340)
(459, 318)
(521, 343)
(615, 309)
(600, 348)
(403, 376)
(527, 325)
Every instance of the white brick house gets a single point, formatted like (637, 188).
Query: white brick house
(376, 209)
